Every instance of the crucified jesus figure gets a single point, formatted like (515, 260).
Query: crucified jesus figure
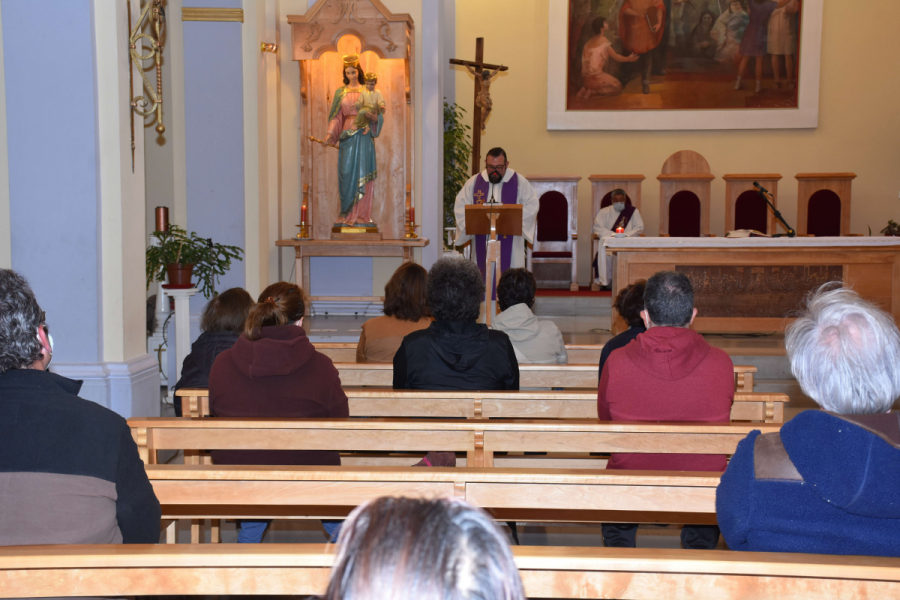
(483, 100)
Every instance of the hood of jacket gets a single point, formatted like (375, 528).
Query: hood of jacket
(518, 322)
(851, 461)
(459, 344)
(668, 353)
(280, 351)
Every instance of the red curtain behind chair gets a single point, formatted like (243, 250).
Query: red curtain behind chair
(684, 215)
(553, 218)
(824, 214)
(751, 212)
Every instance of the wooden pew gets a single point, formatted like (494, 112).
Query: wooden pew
(346, 352)
(545, 404)
(568, 495)
(479, 439)
(571, 376)
(547, 572)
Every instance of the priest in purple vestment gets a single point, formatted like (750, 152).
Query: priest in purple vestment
(506, 186)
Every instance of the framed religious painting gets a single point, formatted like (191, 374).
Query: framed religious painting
(683, 64)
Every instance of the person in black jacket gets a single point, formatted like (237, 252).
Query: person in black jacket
(222, 323)
(70, 472)
(456, 352)
(629, 304)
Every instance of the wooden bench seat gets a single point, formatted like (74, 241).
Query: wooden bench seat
(548, 404)
(571, 376)
(479, 439)
(547, 572)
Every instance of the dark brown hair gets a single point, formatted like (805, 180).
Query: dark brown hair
(227, 311)
(279, 304)
(359, 74)
(404, 294)
(517, 286)
(630, 302)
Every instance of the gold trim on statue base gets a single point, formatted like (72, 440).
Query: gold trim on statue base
(219, 15)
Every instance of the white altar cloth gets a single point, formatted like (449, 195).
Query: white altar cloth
(638, 243)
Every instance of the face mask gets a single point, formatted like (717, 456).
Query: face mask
(618, 206)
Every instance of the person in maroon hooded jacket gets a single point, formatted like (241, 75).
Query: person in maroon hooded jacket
(274, 371)
(668, 373)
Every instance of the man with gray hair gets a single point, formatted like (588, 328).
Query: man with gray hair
(828, 482)
(70, 472)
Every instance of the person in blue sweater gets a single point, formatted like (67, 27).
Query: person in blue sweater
(829, 482)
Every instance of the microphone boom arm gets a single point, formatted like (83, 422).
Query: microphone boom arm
(763, 192)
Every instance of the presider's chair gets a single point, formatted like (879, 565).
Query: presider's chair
(553, 259)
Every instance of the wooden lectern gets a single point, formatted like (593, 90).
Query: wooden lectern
(493, 220)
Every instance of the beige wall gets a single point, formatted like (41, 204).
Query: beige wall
(858, 131)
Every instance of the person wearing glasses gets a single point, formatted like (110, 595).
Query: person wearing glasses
(500, 184)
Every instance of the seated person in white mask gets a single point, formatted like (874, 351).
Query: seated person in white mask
(608, 220)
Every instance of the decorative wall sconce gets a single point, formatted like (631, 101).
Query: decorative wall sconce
(152, 102)
(264, 47)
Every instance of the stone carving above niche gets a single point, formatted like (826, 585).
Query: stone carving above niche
(378, 29)
(755, 292)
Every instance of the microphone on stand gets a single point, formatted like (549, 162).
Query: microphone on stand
(763, 192)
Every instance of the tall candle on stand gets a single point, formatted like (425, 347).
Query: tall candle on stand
(162, 218)
(303, 214)
(412, 214)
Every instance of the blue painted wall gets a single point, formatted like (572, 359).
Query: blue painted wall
(49, 65)
(214, 131)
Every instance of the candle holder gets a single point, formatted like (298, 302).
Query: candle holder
(620, 230)
(304, 221)
(411, 231)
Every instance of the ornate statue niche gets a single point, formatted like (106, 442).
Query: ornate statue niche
(383, 41)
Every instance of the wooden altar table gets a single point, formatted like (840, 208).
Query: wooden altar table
(753, 284)
(304, 249)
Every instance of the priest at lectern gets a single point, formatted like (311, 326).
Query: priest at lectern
(503, 185)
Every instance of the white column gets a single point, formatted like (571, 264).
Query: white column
(432, 197)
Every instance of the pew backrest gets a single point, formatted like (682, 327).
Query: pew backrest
(546, 571)
(571, 376)
(375, 402)
(479, 439)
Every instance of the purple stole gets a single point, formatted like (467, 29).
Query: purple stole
(624, 217)
(509, 194)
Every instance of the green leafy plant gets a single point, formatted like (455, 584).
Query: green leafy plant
(175, 246)
(457, 151)
(891, 229)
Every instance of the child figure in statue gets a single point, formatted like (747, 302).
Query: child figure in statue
(370, 102)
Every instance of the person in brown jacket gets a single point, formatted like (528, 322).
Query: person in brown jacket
(405, 311)
(274, 371)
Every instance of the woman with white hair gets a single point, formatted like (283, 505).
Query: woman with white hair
(829, 482)
(398, 548)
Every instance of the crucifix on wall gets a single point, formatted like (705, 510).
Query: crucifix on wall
(484, 74)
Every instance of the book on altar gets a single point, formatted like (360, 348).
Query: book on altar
(745, 233)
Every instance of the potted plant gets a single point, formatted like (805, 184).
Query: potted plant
(181, 256)
(891, 229)
(457, 150)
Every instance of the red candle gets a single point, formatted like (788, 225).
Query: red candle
(303, 214)
(412, 214)
(620, 230)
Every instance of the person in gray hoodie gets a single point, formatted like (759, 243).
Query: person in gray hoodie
(535, 341)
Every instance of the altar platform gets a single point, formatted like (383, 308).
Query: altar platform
(754, 285)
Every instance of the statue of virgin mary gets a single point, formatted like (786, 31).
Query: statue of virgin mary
(357, 170)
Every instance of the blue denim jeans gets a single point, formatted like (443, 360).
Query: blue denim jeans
(251, 532)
